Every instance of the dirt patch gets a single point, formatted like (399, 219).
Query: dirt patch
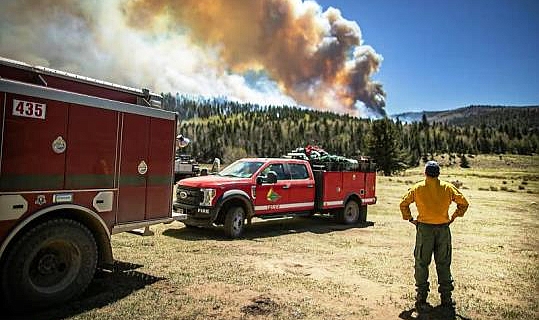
(261, 305)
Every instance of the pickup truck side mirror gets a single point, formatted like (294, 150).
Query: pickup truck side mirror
(271, 177)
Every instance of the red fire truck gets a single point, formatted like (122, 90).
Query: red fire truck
(80, 160)
(269, 188)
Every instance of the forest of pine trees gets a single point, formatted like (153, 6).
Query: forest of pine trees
(231, 130)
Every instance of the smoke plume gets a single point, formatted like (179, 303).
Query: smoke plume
(266, 52)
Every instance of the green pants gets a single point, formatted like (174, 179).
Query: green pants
(433, 239)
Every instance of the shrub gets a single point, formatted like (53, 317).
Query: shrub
(464, 162)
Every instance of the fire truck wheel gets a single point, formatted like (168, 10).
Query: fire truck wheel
(350, 213)
(234, 222)
(52, 263)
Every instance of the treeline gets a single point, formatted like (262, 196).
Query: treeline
(230, 130)
(492, 116)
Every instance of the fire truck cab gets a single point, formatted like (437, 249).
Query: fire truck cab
(80, 160)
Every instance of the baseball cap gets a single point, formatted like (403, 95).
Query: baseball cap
(432, 169)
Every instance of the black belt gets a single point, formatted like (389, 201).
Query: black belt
(434, 225)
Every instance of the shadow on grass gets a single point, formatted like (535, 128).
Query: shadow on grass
(106, 287)
(259, 228)
(437, 313)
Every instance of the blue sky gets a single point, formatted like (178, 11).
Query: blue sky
(441, 55)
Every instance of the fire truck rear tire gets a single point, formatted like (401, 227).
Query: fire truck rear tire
(350, 214)
(234, 222)
(50, 264)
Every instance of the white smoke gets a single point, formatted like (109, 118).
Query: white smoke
(137, 43)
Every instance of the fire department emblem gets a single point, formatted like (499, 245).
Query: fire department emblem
(272, 195)
(142, 167)
(59, 145)
(40, 200)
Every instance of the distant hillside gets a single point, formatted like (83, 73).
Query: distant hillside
(491, 116)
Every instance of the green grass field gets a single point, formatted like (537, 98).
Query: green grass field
(316, 269)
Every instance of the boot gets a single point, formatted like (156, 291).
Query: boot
(421, 304)
(447, 301)
(448, 306)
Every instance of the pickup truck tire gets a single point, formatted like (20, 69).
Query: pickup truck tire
(234, 222)
(50, 264)
(350, 213)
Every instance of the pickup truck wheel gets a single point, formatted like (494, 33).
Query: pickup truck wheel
(50, 264)
(234, 222)
(350, 213)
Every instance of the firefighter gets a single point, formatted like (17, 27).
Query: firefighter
(433, 198)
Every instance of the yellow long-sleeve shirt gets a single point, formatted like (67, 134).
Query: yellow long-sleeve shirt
(433, 198)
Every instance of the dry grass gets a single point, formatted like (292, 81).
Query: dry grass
(316, 269)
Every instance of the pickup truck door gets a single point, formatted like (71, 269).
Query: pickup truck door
(272, 198)
(302, 189)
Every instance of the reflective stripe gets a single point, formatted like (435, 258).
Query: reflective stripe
(333, 203)
(159, 180)
(284, 206)
(31, 181)
(56, 191)
(89, 180)
(369, 200)
(140, 180)
(11, 182)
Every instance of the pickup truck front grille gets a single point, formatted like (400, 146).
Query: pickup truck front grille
(188, 195)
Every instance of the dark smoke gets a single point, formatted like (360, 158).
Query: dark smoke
(313, 58)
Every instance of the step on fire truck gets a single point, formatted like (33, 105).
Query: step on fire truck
(274, 188)
(80, 159)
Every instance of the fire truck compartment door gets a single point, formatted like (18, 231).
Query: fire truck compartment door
(34, 144)
(146, 165)
(160, 162)
(92, 148)
(133, 168)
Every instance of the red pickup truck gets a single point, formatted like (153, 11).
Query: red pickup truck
(269, 188)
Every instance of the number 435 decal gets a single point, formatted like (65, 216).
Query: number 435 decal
(29, 109)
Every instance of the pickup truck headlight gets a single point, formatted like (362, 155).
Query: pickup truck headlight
(207, 197)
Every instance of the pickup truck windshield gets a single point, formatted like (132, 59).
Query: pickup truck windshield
(241, 169)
